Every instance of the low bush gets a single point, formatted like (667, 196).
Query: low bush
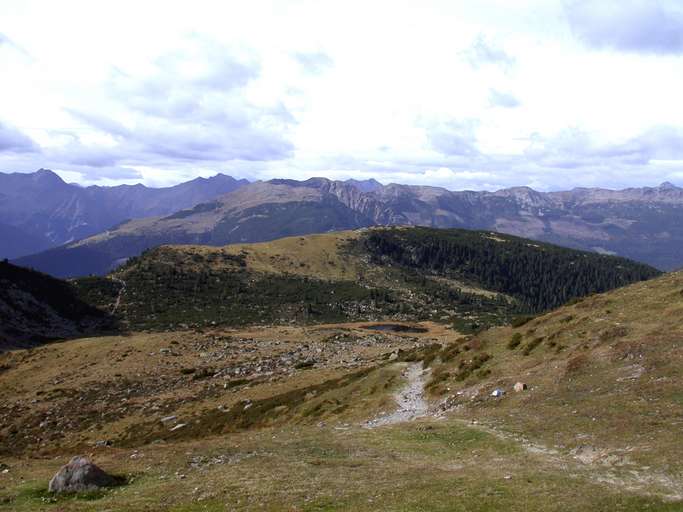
(515, 341)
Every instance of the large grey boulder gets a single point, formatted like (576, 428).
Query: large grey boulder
(80, 475)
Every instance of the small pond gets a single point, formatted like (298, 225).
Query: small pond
(395, 328)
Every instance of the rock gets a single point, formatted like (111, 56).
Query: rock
(80, 475)
(519, 387)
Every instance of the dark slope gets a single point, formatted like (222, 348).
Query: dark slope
(35, 308)
(15, 242)
(541, 276)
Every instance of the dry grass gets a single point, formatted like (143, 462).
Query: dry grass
(420, 466)
(598, 429)
(603, 373)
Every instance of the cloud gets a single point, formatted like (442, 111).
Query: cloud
(453, 138)
(482, 52)
(574, 148)
(8, 43)
(313, 63)
(192, 107)
(12, 140)
(502, 99)
(639, 26)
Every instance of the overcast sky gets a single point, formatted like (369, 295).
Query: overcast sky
(479, 94)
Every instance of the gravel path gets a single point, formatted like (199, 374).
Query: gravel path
(410, 399)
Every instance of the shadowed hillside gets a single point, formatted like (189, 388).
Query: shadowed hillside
(35, 308)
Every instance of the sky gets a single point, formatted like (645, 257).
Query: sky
(469, 94)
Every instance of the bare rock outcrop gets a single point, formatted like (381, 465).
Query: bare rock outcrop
(80, 475)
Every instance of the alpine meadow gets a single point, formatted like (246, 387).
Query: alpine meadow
(353, 256)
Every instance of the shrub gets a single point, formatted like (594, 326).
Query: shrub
(522, 320)
(465, 368)
(532, 345)
(515, 340)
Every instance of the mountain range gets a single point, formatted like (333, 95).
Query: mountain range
(643, 224)
(39, 210)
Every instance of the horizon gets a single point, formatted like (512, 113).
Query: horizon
(552, 95)
(660, 185)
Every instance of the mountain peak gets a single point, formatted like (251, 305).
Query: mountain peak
(667, 185)
(370, 185)
(42, 172)
(47, 176)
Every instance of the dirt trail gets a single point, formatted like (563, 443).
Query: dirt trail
(121, 292)
(410, 399)
(634, 479)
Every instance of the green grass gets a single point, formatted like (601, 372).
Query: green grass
(421, 466)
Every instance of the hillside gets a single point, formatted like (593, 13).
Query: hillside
(468, 279)
(342, 417)
(640, 224)
(603, 375)
(35, 308)
(17, 242)
(49, 212)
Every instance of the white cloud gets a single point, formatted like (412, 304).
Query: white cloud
(497, 93)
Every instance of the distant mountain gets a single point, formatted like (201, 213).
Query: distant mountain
(643, 224)
(15, 242)
(257, 212)
(35, 308)
(45, 212)
(370, 185)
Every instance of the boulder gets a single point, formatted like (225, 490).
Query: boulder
(80, 475)
(520, 386)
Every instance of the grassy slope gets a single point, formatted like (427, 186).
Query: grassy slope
(412, 467)
(351, 276)
(321, 278)
(604, 377)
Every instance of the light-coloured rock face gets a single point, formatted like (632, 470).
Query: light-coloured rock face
(80, 475)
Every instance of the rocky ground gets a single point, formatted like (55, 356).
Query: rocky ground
(378, 416)
(88, 392)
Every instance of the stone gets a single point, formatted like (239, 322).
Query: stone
(81, 475)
